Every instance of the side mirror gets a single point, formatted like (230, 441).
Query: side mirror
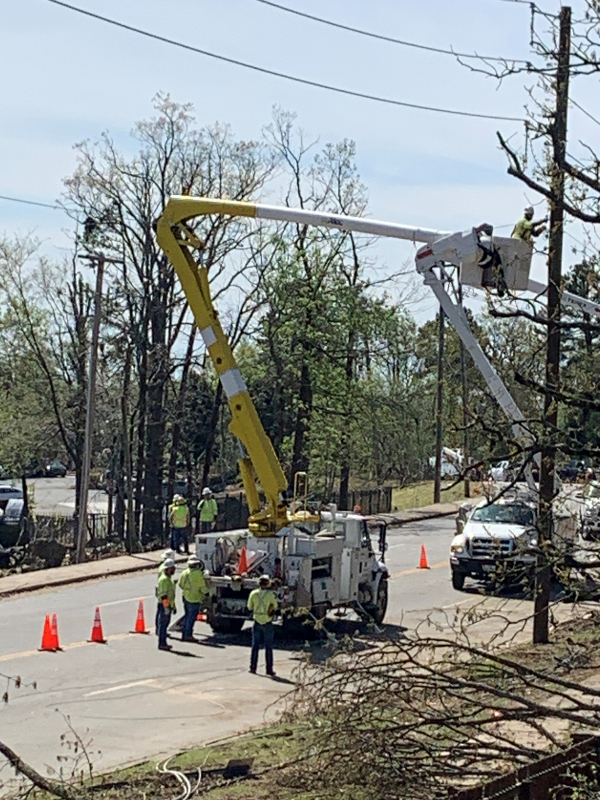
(579, 495)
(460, 525)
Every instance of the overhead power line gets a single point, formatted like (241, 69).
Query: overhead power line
(294, 78)
(29, 202)
(390, 39)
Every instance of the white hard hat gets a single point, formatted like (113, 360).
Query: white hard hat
(528, 210)
(168, 563)
(193, 560)
(177, 498)
(168, 554)
(264, 578)
(206, 490)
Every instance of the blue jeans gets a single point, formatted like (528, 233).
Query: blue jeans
(180, 536)
(262, 636)
(163, 615)
(191, 612)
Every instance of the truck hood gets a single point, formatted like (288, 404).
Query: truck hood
(489, 530)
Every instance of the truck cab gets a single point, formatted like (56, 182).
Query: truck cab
(495, 538)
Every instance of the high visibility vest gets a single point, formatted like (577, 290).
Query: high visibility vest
(180, 515)
(260, 602)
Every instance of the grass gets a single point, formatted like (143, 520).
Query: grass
(420, 494)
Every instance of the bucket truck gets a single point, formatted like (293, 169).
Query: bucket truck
(324, 560)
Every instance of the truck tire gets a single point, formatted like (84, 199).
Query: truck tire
(226, 624)
(458, 580)
(381, 605)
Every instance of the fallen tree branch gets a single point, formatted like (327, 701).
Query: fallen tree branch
(53, 787)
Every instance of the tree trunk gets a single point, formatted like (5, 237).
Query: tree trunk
(212, 435)
(178, 413)
(152, 527)
(300, 460)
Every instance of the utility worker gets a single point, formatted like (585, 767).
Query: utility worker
(165, 596)
(208, 510)
(179, 519)
(263, 604)
(526, 229)
(194, 589)
(168, 554)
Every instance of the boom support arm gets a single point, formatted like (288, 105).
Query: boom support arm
(177, 241)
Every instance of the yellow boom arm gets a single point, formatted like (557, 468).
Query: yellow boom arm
(177, 241)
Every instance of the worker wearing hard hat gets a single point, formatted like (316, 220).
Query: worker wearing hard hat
(165, 596)
(526, 228)
(208, 510)
(193, 589)
(167, 555)
(179, 520)
(263, 604)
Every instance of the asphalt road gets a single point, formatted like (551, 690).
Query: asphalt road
(57, 496)
(134, 701)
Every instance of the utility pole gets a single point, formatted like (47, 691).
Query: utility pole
(439, 408)
(555, 248)
(98, 259)
(465, 412)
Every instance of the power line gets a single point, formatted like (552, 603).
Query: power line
(29, 202)
(294, 78)
(390, 39)
(587, 113)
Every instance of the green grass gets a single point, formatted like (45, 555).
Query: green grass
(420, 494)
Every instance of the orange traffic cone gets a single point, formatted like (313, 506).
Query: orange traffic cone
(54, 633)
(243, 563)
(97, 633)
(201, 617)
(47, 639)
(423, 560)
(140, 621)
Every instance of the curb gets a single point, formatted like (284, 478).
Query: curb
(68, 580)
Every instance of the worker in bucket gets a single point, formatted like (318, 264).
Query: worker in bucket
(179, 520)
(165, 596)
(194, 590)
(526, 228)
(208, 510)
(263, 605)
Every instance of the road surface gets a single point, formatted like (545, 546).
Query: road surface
(135, 702)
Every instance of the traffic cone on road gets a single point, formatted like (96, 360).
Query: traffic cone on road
(47, 640)
(243, 563)
(201, 617)
(54, 633)
(97, 633)
(140, 621)
(423, 560)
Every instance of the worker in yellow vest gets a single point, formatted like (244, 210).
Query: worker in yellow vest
(179, 520)
(208, 510)
(194, 591)
(262, 602)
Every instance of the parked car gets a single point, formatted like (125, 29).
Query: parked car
(501, 472)
(575, 469)
(590, 518)
(55, 469)
(8, 492)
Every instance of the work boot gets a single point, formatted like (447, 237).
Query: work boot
(165, 647)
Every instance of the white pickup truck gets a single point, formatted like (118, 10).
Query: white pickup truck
(493, 536)
(499, 540)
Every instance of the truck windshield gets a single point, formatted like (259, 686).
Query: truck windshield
(592, 490)
(504, 514)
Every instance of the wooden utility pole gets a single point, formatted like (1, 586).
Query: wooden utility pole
(439, 408)
(555, 248)
(98, 260)
(465, 412)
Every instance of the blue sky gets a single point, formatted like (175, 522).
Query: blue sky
(68, 78)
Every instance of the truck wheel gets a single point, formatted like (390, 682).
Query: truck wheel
(226, 624)
(458, 580)
(382, 602)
